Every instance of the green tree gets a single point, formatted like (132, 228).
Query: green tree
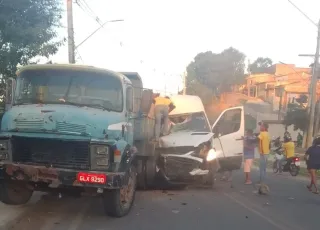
(27, 30)
(260, 65)
(212, 73)
(297, 115)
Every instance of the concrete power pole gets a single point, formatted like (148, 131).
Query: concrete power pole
(313, 98)
(184, 83)
(71, 46)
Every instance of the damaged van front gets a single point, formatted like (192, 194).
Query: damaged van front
(194, 152)
(187, 154)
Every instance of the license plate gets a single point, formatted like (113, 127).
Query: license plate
(297, 163)
(92, 178)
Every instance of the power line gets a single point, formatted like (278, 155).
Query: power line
(87, 9)
(303, 13)
(79, 55)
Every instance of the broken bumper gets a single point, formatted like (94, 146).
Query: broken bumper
(176, 169)
(57, 177)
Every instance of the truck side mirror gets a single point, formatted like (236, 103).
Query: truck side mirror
(129, 99)
(10, 87)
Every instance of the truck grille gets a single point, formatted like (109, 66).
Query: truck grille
(67, 127)
(51, 152)
(177, 167)
(29, 124)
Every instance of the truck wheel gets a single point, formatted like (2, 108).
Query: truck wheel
(118, 202)
(15, 193)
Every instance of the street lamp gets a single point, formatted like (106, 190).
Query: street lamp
(101, 26)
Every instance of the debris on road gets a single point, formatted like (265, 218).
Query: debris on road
(175, 211)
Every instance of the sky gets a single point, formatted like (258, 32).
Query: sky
(158, 39)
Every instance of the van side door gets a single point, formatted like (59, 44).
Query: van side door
(228, 131)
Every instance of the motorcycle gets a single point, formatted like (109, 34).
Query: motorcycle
(291, 165)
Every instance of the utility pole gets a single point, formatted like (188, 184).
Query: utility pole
(313, 98)
(71, 46)
(184, 83)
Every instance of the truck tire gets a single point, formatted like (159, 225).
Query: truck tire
(15, 193)
(118, 202)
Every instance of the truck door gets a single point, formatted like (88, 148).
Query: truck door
(129, 114)
(228, 131)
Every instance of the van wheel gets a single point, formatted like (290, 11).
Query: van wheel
(151, 165)
(15, 193)
(141, 175)
(118, 202)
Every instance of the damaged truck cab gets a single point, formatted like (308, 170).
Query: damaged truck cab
(194, 152)
(69, 128)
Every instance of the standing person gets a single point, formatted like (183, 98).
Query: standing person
(289, 150)
(312, 157)
(162, 107)
(248, 154)
(264, 150)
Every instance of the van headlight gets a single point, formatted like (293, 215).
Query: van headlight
(212, 154)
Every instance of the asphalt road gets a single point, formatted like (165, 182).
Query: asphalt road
(288, 206)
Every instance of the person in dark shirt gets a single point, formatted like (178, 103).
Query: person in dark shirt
(312, 157)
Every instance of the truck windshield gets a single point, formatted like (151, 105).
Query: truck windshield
(81, 88)
(195, 122)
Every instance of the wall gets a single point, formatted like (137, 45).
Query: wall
(278, 130)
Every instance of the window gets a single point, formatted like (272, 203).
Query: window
(194, 122)
(79, 87)
(129, 99)
(229, 122)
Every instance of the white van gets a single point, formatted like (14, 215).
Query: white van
(191, 134)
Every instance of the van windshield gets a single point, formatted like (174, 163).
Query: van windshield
(195, 122)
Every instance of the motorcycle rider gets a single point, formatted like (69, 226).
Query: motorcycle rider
(289, 148)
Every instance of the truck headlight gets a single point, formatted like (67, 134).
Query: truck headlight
(4, 145)
(212, 154)
(99, 156)
(101, 150)
(4, 149)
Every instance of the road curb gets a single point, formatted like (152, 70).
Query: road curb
(19, 212)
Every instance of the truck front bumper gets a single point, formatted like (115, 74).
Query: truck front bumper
(57, 177)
